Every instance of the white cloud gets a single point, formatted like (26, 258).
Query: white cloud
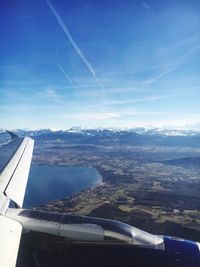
(182, 121)
(49, 94)
(139, 113)
(92, 116)
(136, 100)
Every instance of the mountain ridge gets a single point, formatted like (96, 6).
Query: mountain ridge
(137, 136)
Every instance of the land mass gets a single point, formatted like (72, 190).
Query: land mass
(149, 181)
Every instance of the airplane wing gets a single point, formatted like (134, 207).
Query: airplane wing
(15, 160)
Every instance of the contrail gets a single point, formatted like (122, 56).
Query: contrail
(73, 43)
(66, 76)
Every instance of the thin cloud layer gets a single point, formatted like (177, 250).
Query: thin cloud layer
(61, 57)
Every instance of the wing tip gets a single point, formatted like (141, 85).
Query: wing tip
(12, 135)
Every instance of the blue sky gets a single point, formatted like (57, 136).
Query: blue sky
(99, 63)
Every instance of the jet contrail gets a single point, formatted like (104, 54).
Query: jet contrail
(73, 43)
(66, 76)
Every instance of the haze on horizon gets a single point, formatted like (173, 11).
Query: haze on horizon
(99, 63)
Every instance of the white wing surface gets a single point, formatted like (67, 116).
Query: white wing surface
(14, 168)
(10, 233)
(15, 160)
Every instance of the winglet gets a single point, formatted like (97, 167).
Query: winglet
(13, 135)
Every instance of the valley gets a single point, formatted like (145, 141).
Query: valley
(143, 185)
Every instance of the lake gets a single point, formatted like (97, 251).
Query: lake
(48, 183)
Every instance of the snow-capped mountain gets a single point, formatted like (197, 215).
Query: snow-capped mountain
(109, 131)
(135, 136)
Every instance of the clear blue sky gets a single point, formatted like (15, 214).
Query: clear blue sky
(99, 63)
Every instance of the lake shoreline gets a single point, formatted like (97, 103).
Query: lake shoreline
(48, 183)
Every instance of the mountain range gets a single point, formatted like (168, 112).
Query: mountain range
(137, 136)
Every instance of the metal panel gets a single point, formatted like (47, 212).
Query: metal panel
(182, 253)
(10, 233)
(9, 157)
(84, 228)
(7, 151)
(16, 187)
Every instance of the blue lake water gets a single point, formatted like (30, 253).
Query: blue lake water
(48, 183)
